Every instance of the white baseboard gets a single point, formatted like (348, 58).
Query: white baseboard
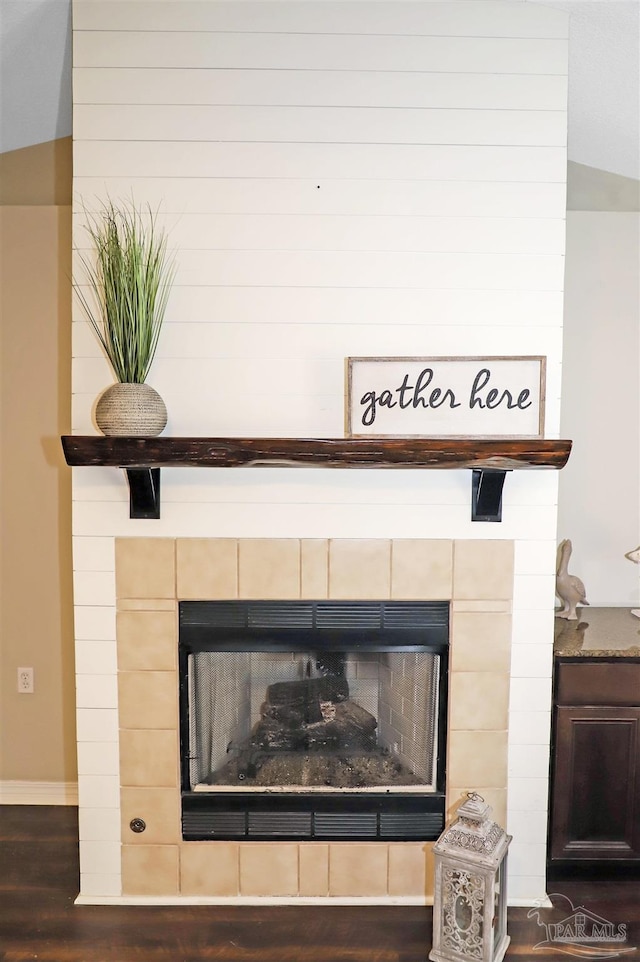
(38, 793)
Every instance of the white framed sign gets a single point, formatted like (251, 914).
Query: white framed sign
(430, 397)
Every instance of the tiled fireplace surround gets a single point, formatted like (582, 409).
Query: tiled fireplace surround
(153, 574)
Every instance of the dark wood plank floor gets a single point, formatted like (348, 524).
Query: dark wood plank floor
(39, 921)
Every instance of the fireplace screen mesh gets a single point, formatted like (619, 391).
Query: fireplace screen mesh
(337, 720)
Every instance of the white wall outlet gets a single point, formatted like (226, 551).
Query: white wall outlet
(25, 681)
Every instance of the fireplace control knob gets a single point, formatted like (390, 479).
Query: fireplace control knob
(137, 825)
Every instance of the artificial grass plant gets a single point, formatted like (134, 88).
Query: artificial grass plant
(128, 282)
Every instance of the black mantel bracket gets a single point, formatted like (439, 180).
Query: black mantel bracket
(144, 492)
(486, 495)
(488, 459)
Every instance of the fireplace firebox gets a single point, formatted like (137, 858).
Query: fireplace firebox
(313, 720)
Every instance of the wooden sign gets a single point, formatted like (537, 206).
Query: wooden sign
(428, 397)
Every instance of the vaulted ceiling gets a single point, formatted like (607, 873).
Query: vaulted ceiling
(604, 78)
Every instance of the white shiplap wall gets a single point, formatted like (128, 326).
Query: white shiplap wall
(353, 178)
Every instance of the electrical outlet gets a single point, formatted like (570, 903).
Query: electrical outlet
(25, 681)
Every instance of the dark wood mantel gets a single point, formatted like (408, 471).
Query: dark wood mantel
(506, 453)
(489, 459)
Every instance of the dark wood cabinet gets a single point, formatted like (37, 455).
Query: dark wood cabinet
(595, 776)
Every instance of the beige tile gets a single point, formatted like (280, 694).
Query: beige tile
(478, 701)
(149, 759)
(483, 569)
(314, 869)
(478, 758)
(411, 869)
(359, 569)
(495, 797)
(148, 699)
(491, 605)
(267, 869)
(159, 808)
(207, 568)
(209, 868)
(422, 570)
(150, 869)
(145, 568)
(358, 869)
(269, 568)
(146, 604)
(147, 640)
(480, 641)
(314, 560)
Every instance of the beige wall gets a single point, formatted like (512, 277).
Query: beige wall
(37, 732)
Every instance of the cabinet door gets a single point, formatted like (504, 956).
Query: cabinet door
(595, 806)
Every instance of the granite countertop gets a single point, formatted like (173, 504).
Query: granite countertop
(598, 633)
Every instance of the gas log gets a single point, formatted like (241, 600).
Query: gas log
(350, 727)
(302, 699)
(313, 714)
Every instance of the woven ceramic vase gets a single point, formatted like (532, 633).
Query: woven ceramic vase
(131, 410)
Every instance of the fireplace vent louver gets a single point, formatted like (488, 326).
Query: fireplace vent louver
(314, 614)
(203, 825)
(198, 617)
(408, 825)
(346, 825)
(279, 824)
(310, 825)
(279, 615)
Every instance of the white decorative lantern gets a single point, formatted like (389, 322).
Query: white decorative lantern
(470, 899)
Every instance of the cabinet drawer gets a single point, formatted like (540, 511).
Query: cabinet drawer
(614, 682)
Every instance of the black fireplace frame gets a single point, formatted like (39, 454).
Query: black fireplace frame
(411, 626)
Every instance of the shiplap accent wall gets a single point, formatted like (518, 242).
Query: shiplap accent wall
(353, 178)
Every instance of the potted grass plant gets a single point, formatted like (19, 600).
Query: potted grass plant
(124, 296)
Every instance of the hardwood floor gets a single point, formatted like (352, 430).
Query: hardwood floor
(39, 921)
